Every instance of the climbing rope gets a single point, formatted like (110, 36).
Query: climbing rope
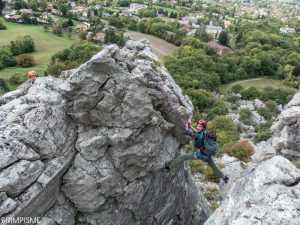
(163, 89)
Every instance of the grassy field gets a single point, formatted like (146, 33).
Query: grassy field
(46, 43)
(159, 46)
(259, 83)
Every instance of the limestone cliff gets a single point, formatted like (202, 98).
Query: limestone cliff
(267, 189)
(89, 147)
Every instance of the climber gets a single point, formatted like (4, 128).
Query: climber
(32, 76)
(198, 136)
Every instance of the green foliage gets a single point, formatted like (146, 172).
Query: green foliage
(263, 136)
(68, 23)
(296, 161)
(237, 88)
(116, 37)
(250, 93)
(245, 116)
(71, 57)
(3, 86)
(57, 30)
(264, 132)
(226, 129)
(124, 3)
(280, 96)
(24, 45)
(116, 22)
(265, 113)
(296, 71)
(242, 150)
(2, 26)
(219, 108)
(201, 99)
(223, 38)
(148, 12)
(272, 106)
(232, 98)
(18, 78)
(6, 58)
(25, 60)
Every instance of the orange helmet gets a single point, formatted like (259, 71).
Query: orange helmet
(32, 73)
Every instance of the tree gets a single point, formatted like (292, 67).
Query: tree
(25, 60)
(2, 5)
(46, 27)
(296, 71)
(223, 38)
(124, 3)
(3, 86)
(57, 30)
(2, 26)
(203, 35)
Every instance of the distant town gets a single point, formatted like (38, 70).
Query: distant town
(190, 17)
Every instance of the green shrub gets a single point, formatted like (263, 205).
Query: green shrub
(296, 161)
(242, 150)
(3, 86)
(232, 98)
(272, 106)
(18, 78)
(2, 26)
(263, 136)
(227, 131)
(25, 60)
(237, 88)
(250, 93)
(245, 116)
(266, 113)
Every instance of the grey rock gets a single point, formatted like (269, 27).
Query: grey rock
(257, 118)
(258, 103)
(263, 151)
(46, 221)
(89, 147)
(7, 206)
(16, 178)
(262, 196)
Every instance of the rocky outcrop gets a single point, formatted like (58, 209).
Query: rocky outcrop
(286, 137)
(89, 147)
(267, 189)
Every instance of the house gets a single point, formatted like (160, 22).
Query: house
(27, 11)
(135, 7)
(49, 7)
(56, 12)
(81, 27)
(189, 19)
(191, 33)
(221, 50)
(8, 11)
(99, 37)
(14, 18)
(287, 30)
(214, 30)
(227, 23)
(125, 13)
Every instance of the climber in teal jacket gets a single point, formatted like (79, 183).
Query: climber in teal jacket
(198, 136)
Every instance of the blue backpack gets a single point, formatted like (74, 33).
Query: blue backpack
(208, 144)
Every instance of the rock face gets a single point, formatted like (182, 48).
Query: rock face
(267, 189)
(89, 147)
(286, 137)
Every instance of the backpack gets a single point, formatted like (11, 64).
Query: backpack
(208, 143)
